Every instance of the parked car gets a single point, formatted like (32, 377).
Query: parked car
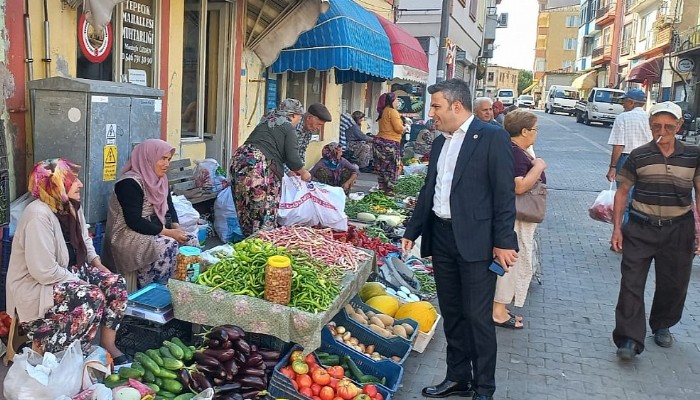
(526, 100)
(506, 96)
(561, 99)
(601, 105)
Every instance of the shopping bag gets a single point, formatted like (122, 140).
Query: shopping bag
(296, 206)
(209, 175)
(187, 215)
(602, 208)
(329, 203)
(226, 219)
(33, 376)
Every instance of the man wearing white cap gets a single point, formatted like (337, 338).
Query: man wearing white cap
(660, 228)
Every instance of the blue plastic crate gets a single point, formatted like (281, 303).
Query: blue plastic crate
(281, 387)
(382, 345)
(358, 303)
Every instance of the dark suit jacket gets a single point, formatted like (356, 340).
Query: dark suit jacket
(482, 200)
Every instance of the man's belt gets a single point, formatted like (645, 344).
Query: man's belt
(645, 219)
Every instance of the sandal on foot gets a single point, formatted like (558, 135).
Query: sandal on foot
(510, 324)
(516, 316)
(123, 359)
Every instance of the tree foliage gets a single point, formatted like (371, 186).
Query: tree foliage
(524, 79)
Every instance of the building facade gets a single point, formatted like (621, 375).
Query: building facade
(498, 77)
(557, 37)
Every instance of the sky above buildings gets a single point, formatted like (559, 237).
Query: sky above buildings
(515, 45)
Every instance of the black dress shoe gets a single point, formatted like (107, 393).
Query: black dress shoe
(663, 338)
(482, 397)
(627, 350)
(449, 388)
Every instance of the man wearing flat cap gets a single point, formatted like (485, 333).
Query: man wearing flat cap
(311, 124)
(661, 228)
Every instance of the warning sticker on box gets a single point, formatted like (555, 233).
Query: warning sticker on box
(109, 170)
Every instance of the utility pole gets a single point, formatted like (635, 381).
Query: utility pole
(444, 30)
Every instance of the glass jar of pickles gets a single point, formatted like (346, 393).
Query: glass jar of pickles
(278, 280)
(188, 258)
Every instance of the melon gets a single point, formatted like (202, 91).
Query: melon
(385, 304)
(371, 289)
(420, 311)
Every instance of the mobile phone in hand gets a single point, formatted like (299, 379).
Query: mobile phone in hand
(496, 268)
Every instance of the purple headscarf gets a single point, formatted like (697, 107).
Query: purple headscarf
(385, 100)
(142, 164)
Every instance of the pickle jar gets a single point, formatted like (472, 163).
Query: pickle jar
(278, 280)
(188, 258)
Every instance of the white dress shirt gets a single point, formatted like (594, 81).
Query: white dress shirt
(446, 169)
(631, 130)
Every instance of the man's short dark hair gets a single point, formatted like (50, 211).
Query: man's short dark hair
(454, 90)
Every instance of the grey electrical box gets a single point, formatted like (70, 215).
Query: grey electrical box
(95, 124)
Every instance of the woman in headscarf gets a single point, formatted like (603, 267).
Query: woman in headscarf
(424, 140)
(387, 144)
(257, 166)
(143, 232)
(333, 169)
(358, 143)
(56, 282)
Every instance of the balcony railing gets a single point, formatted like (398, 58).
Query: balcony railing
(626, 46)
(688, 40)
(601, 51)
(629, 4)
(602, 11)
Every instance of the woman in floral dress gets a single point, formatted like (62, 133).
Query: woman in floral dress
(387, 150)
(257, 166)
(333, 169)
(56, 282)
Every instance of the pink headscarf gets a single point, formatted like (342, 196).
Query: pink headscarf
(142, 164)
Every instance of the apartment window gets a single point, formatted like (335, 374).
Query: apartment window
(473, 8)
(572, 21)
(570, 44)
(567, 64)
(643, 24)
(306, 87)
(490, 77)
(540, 64)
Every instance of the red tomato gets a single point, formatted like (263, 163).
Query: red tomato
(346, 389)
(306, 392)
(327, 393)
(334, 383)
(378, 396)
(310, 359)
(296, 385)
(321, 377)
(288, 372)
(336, 372)
(304, 381)
(316, 389)
(370, 390)
(316, 398)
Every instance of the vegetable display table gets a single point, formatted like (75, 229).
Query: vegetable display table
(202, 305)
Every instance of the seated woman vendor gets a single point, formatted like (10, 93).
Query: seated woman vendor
(333, 169)
(142, 233)
(56, 283)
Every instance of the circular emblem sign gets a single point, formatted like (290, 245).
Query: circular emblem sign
(94, 44)
(686, 65)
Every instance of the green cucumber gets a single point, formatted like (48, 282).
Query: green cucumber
(137, 366)
(153, 387)
(173, 364)
(185, 396)
(126, 373)
(158, 381)
(112, 385)
(147, 362)
(112, 378)
(175, 350)
(186, 350)
(368, 379)
(166, 394)
(356, 372)
(329, 360)
(165, 352)
(155, 356)
(149, 377)
(165, 374)
(172, 386)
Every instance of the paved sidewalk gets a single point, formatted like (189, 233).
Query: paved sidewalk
(566, 350)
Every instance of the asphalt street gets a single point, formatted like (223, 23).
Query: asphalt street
(565, 350)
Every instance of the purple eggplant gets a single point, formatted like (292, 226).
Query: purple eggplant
(251, 382)
(234, 332)
(218, 381)
(206, 360)
(242, 346)
(240, 359)
(213, 344)
(231, 367)
(184, 377)
(250, 394)
(229, 387)
(213, 372)
(201, 380)
(218, 333)
(253, 360)
(270, 364)
(269, 355)
(253, 372)
(227, 345)
(221, 355)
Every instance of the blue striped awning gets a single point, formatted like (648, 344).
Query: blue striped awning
(347, 38)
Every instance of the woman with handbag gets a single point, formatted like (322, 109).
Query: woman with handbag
(530, 203)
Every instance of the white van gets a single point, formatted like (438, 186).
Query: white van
(561, 99)
(506, 96)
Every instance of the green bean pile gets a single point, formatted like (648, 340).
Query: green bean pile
(427, 283)
(409, 185)
(314, 284)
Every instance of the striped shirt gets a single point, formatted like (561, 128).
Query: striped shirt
(631, 130)
(663, 186)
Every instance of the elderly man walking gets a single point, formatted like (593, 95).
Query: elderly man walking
(660, 228)
(311, 123)
(630, 130)
(483, 109)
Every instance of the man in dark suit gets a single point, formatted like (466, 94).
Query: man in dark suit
(465, 215)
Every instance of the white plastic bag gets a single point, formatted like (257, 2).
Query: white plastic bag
(311, 204)
(602, 208)
(226, 219)
(187, 215)
(32, 376)
(208, 174)
(17, 208)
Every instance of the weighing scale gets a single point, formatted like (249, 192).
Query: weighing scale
(151, 303)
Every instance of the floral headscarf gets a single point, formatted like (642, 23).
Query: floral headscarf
(142, 164)
(283, 113)
(50, 181)
(331, 159)
(385, 100)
